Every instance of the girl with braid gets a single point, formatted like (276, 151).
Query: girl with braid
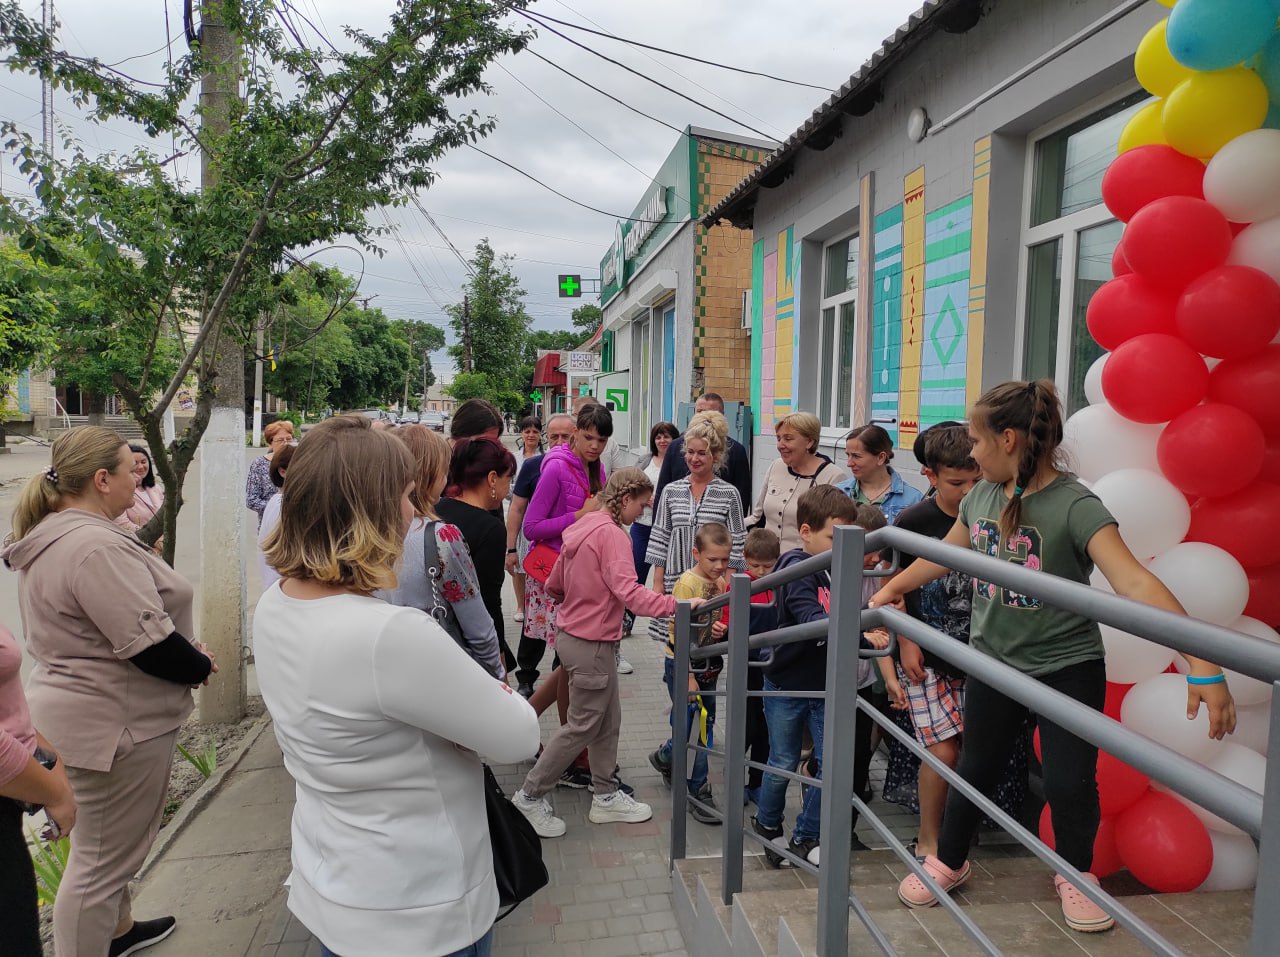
(1030, 511)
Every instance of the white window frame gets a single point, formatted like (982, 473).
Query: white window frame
(1067, 229)
(829, 352)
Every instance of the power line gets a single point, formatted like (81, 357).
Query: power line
(648, 79)
(683, 56)
(552, 189)
(609, 96)
(514, 229)
(413, 198)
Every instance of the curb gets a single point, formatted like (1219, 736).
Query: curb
(192, 805)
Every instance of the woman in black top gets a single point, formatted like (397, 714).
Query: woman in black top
(480, 475)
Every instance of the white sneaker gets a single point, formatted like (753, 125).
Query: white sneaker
(624, 666)
(618, 806)
(537, 811)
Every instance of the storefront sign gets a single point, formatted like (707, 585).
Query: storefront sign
(581, 363)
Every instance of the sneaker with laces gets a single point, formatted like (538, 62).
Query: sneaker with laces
(662, 764)
(624, 666)
(537, 811)
(1080, 913)
(771, 834)
(701, 815)
(575, 777)
(619, 807)
(914, 893)
(805, 850)
(141, 935)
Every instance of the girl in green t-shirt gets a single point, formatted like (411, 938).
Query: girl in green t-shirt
(1028, 510)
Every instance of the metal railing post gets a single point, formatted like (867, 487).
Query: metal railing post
(734, 734)
(841, 703)
(680, 734)
(1266, 916)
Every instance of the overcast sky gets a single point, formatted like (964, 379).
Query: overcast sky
(816, 41)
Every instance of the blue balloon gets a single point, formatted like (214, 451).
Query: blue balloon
(1216, 34)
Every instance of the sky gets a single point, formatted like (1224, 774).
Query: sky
(605, 161)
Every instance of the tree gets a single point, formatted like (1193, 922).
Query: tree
(377, 365)
(587, 317)
(424, 338)
(491, 327)
(28, 310)
(318, 141)
(470, 385)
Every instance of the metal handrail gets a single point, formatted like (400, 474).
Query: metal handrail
(66, 419)
(1237, 804)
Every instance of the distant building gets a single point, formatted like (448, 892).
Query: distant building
(437, 400)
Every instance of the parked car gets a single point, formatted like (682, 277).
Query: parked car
(433, 420)
(410, 418)
(377, 415)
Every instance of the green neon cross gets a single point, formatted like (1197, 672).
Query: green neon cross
(569, 286)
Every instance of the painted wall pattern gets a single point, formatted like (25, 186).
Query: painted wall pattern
(886, 312)
(944, 353)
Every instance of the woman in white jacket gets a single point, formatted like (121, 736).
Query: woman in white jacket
(380, 716)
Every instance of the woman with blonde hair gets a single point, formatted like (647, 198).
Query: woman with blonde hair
(450, 578)
(108, 624)
(258, 487)
(798, 468)
(380, 715)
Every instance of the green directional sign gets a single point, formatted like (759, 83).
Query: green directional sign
(571, 287)
(619, 398)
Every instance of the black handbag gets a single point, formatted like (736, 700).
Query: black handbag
(517, 850)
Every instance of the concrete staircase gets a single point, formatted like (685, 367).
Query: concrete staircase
(123, 424)
(1010, 896)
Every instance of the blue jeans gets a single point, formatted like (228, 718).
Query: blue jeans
(481, 948)
(639, 547)
(786, 718)
(699, 779)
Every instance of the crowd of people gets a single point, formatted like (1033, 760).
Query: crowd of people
(383, 658)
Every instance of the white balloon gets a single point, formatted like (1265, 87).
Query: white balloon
(1240, 764)
(1244, 689)
(1235, 863)
(1152, 514)
(1206, 579)
(1241, 178)
(1157, 708)
(1131, 659)
(1098, 440)
(1093, 380)
(1259, 246)
(1253, 727)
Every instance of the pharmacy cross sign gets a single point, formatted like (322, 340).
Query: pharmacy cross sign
(571, 287)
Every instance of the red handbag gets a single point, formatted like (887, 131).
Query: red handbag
(539, 562)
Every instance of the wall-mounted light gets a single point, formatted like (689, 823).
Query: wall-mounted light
(917, 124)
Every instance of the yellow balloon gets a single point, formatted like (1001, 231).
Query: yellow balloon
(1206, 111)
(1167, 3)
(1144, 128)
(1157, 70)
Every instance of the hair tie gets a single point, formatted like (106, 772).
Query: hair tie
(1017, 491)
(51, 474)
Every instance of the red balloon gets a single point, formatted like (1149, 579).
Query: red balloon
(1115, 696)
(1229, 312)
(1264, 594)
(1106, 859)
(1154, 377)
(1119, 785)
(1212, 432)
(1119, 265)
(1146, 173)
(1163, 844)
(1270, 456)
(1174, 239)
(1252, 384)
(1246, 524)
(1129, 306)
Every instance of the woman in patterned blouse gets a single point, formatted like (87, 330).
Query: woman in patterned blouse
(258, 488)
(689, 503)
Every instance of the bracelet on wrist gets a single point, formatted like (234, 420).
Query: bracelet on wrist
(1217, 679)
(512, 551)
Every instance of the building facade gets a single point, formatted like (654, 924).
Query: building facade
(673, 290)
(937, 226)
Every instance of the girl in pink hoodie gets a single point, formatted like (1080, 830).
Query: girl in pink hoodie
(593, 581)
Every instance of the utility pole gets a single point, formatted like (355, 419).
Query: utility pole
(46, 86)
(222, 456)
(257, 390)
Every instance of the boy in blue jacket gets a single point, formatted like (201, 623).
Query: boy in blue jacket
(800, 667)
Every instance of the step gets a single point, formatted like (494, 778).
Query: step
(1010, 896)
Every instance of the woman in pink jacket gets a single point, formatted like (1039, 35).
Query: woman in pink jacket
(593, 580)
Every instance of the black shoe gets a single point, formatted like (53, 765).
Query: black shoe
(855, 843)
(618, 783)
(525, 691)
(662, 766)
(575, 777)
(704, 816)
(771, 834)
(142, 934)
(805, 850)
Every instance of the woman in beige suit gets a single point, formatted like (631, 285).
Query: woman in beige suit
(108, 624)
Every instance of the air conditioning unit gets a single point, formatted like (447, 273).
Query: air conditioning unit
(746, 310)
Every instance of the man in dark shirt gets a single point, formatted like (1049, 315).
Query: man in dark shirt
(530, 651)
(735, 469)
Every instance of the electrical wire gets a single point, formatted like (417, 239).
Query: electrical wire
(682, 56)
(514, 229)
(609, 96)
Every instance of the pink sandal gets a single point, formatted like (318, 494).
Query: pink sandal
(915, 893)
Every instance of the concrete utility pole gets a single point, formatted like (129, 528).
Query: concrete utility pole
(257, 390)
(222, 458)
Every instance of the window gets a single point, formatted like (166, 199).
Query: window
(836, 332)
(1068, 242)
